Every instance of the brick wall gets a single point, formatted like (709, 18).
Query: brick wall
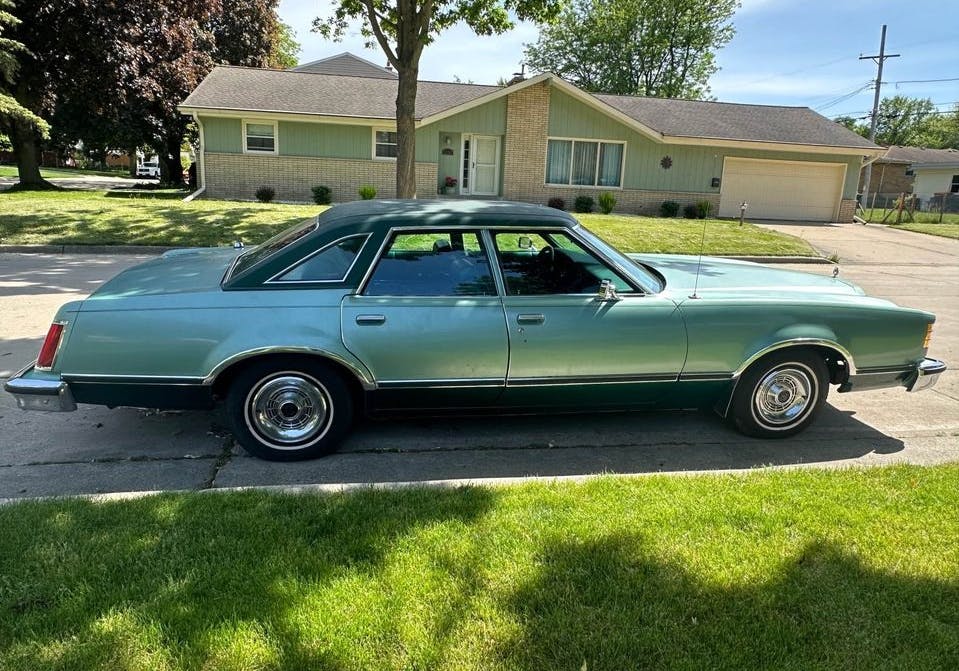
(888, 178)
(847, 208)
(237, 176)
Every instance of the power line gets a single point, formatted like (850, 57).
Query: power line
(923, 81)
(844, 97)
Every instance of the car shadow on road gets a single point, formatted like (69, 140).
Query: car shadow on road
(417, 450)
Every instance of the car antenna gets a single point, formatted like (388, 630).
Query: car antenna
(699, 264)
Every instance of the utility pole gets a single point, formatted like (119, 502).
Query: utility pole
(879, 60)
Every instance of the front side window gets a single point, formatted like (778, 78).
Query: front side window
(540, 263)
(260, 137)
(330, 264)
(584, 163)
(434, 263)
(385, 144)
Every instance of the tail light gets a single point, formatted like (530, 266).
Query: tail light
(50, 346)
(928, 338)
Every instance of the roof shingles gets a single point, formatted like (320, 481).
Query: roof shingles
(285, 91)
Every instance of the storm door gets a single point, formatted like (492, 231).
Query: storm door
(428, 322)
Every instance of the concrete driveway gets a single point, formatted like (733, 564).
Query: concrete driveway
(100, 450)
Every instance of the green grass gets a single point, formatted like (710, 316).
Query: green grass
(11, 171)
(852, 569)
(945, 230)
(123, 217)
(683, 236)
(148, 218)
(924, 222)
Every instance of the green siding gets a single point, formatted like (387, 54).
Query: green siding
(692, 168)
(297, 138)
(488, 119)
(427, 145)
(222, 136)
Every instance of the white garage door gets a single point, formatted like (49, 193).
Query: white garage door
(799, 190)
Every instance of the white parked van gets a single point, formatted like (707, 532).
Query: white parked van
(148, 166)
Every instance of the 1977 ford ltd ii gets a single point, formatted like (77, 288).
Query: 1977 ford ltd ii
(395, 306)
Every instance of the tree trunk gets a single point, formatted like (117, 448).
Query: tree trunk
(133, 161)
(27, 152)
(171, 167)
(406, 133)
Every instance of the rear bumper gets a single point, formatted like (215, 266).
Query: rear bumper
(918, 377)
(39, 394)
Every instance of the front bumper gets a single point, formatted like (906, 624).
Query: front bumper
(38, 394)
(918, 377)
(926, 375)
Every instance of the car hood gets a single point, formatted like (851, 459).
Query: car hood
(177, 271)
(726, 276)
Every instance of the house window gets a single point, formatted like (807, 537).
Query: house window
(954, 187)
(259, 137)
(384, 144)
(585, 163)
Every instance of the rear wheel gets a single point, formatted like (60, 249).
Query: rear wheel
(780, 395)
(289, 410)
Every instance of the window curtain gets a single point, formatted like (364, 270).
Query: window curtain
(558, 153)
(610, 165)
(584, 163)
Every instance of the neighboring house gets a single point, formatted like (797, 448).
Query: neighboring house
(937, 182)
(346, 64)
(531, 141)
(895, 173)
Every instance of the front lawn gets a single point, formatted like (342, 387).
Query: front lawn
(846, 569)
(945, 229)
(125, 217)
(46, 173)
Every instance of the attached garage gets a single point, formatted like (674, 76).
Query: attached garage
(799, 190)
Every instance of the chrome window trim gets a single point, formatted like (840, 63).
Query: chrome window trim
(478, 230)
(366, 236)
(56, 352)
(229, 277)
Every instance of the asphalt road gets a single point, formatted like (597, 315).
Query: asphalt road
(98, 450)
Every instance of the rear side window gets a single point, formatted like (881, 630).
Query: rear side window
(440, 263)
(330, 264)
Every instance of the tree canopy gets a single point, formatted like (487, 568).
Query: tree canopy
(402, 28)
(11, 111)
(661, 48)
(913, 122)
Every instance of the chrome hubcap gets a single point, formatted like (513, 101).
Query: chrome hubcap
(783, 396)
(289, 409)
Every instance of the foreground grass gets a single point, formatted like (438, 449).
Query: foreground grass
(855, 569)
(160, 218)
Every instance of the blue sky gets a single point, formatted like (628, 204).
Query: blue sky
(785, 52)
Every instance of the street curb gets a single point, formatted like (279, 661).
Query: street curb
(157, 249)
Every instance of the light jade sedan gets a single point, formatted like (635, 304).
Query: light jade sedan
(382, 307)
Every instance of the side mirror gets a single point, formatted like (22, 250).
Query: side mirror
(524, 242)
(607, 291)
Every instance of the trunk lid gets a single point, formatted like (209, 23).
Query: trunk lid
(176, 271)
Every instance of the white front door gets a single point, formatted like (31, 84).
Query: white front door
(482, 165)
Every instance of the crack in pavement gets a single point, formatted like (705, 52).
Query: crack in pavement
(222, 459)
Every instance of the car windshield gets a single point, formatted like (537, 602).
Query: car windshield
(650, 281)
(261, 252)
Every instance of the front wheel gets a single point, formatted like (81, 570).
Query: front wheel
(779, 395)
(289, 410)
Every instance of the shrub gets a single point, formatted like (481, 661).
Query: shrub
(557, 203)
(607, 202)
(367, 192)
(670, 208)
(705, 207)
(583, 204)
(322, 195)
(265, 194)
(691, 211)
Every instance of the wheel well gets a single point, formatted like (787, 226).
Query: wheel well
(835, 360)
(225, 378)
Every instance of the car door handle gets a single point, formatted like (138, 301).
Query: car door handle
(370, 320)
(530, 319)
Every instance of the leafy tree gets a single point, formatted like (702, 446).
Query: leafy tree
(912, 122)
(941, 131)
(285, 52)
(662, 48)
(402, 28)
(11, 111)
(853, 124)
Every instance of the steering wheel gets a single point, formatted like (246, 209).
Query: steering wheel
(547, 256)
